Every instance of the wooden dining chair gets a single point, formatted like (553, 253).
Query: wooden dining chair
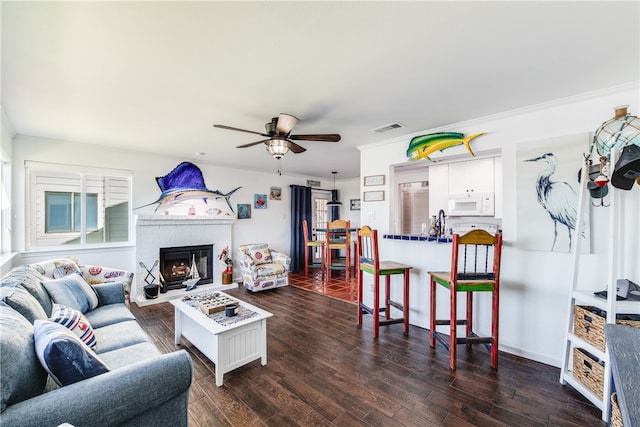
(310, 246)
(368, 261)
(338, 238)
(475, 267)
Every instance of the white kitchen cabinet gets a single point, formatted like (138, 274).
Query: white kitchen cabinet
(472, 177)
(438, 188)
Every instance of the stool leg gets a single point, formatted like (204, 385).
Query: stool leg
(360, 280)
(347, 264)
(376, 305)
(453, 326)
(469, 315)
(322, 262)
(306, 260)
(405, 302)
(495, 314)
(387, 296)
(432, 312)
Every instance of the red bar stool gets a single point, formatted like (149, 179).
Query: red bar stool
(311, 246)
(467, 276)
(338, 238)
(368, 261)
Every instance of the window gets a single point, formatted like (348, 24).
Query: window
(62, 212)
(71, 206)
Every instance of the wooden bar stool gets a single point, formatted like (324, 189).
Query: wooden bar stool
(337, 238)
(467, 276)
(311, 246)
(368, 261)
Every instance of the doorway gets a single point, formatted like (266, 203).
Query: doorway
(319, 218)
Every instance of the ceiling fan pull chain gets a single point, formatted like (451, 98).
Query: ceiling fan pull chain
(279, 172)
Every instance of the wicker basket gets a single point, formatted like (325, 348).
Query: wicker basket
(589, 322)
(588, 370)
(616, 415)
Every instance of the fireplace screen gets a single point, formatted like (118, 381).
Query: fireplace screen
(176, 265)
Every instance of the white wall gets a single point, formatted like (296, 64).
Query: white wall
(6, 148)
(535, 285)
(266, 225)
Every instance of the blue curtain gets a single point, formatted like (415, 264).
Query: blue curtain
(301, 209)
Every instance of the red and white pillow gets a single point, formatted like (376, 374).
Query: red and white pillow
(76, 322)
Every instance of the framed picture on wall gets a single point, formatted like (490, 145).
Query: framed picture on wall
(275, 193)
(244, 211)
(260, 201)
(355, 204)
(373, 196)
(373, 180)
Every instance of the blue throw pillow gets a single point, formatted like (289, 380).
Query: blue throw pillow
(72, 291)
(66, 358)
(76, 322)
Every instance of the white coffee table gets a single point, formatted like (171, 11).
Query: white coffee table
(228, 347)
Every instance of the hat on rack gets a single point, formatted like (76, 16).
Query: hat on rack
(627, 168)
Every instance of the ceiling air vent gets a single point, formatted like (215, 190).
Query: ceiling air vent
(389, 127)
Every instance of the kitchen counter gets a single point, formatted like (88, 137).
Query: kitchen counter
(417, 238)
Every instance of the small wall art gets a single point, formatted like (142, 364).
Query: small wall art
(244, 211)
(275, 193)
(373, 196)
(355, 204)
(373, 180)
(260, 201)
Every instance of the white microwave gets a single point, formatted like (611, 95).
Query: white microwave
(480, 204)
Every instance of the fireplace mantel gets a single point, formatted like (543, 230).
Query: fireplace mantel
(159, 231)
(150, 220)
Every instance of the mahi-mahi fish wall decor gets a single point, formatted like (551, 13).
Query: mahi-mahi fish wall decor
(185, 182)
(422, 146)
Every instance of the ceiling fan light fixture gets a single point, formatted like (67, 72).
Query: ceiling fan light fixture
(278, 147)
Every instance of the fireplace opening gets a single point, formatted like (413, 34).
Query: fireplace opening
(176, 265)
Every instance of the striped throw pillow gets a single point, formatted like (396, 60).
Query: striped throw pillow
(76, 322)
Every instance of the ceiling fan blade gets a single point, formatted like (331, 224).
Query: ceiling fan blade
(295, 148)
(286, 122)
(240, 130)
(327, 137)
(251, 144)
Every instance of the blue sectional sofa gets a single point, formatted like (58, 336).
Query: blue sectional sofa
(136, 384)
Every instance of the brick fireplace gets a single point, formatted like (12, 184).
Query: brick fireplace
(165, 231)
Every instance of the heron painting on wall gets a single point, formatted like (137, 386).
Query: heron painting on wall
(546, 194)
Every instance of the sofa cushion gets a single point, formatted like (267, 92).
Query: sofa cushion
(266, 270)
(66, 358)
(259, 253)
(23, 302)
(126, 356)
(29, 278)
(72, 291)
(22, 374)
(105, 315)
(76, 322)
(95, 274)
(57, 268)
(119, 335)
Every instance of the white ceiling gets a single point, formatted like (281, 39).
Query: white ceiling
(155, 76)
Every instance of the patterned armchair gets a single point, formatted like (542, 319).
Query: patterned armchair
(262, 268)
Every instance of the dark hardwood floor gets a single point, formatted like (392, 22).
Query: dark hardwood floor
(324, 370)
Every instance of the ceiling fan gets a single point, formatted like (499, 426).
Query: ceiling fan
(279, 139)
